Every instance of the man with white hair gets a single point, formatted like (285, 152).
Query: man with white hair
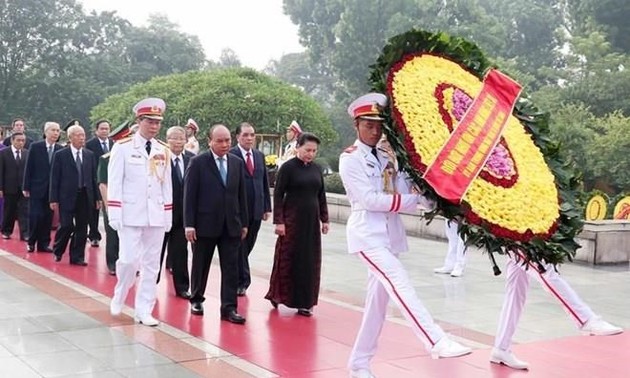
(73, 192)
(36, 186)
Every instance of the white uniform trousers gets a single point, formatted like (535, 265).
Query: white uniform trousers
(140, 249)
(387, 279)
(516, 287)
(455, 255)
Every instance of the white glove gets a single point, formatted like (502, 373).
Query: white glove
(115, 224)
(426, 204)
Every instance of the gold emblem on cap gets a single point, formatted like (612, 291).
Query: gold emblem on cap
(155, 109)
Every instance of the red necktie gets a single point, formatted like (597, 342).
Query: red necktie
(249, 164)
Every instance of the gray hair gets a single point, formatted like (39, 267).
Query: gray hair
(48, 125)
(74, 129)
(175, 129)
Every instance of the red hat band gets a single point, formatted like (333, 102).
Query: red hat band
(369, 109)
(149, 110)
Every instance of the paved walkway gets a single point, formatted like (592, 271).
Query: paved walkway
(54, 322)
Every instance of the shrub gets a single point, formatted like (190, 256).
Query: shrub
(333, 184)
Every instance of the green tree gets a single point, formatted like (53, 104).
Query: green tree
(228, 96)
(56, 62)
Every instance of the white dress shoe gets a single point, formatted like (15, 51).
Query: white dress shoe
(446, 348)
(115, 307)
(458, 271)
(443, 270)
(361, 373)
(598, 327)
(147, 320)
(507, 358)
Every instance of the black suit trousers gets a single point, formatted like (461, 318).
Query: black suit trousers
(94, 233)
(176, 246)
(15, 208)
(203, 250)
(112, 244)
(73, 228)
(39, 222)
(247, 245)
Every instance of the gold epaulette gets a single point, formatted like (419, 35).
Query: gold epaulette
(163, 143)
(124, 140)
(350, 149)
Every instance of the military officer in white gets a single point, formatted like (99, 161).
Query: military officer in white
(376, 234)
(139, 204)
(516, 286)
(290, 150)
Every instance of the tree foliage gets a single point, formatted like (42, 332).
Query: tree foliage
(572, 56)
(56, 61)
(228, 96)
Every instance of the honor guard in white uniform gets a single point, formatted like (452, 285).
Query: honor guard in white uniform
(455, 260)
(290, 150)
(192, 144)
(376, 234)
(516, 286)
(139, 205)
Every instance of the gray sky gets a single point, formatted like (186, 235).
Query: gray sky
(257, 30)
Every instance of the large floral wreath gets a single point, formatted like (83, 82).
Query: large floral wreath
(523, 199)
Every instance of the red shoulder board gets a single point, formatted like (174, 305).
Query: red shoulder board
(350, 149)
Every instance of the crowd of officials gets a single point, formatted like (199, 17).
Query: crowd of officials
(160, 198)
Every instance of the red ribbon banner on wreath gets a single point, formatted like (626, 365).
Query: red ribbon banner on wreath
(465, 153)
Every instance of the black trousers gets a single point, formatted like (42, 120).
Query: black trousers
(203, 250)
(39, 222)
(175, 246)
(112, 244)
(94, 233)
(73, 228)
(15, 208)
(247, 245)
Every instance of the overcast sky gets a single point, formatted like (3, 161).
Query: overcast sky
(257, 30)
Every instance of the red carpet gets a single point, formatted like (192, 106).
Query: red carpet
(295, 346)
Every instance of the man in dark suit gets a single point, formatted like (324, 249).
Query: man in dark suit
(18, 126)
(74, 193)
(215, 214)
(12, 162)
(175, 240)
(100, 144)
(36, 187)
(258, 198)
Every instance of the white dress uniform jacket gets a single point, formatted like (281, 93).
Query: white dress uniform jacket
(146, 198)
(374, 221)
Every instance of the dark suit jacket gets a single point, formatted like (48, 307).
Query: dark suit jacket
(94, 145)
(27, 145)
(37, 170)
(64, 179)
(256, 185)
(209, 206)
(178, 191)
(12, 173)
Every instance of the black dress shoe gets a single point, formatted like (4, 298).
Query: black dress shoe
(196, 308)
(30, 248)
(6, 237)
(183, 294)
(57, 258)
(233, 317)
(94, 243)
(241, 291)
(112, 272)
(79, 263)
(274, 303)
(45, 250)
(305, 312)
